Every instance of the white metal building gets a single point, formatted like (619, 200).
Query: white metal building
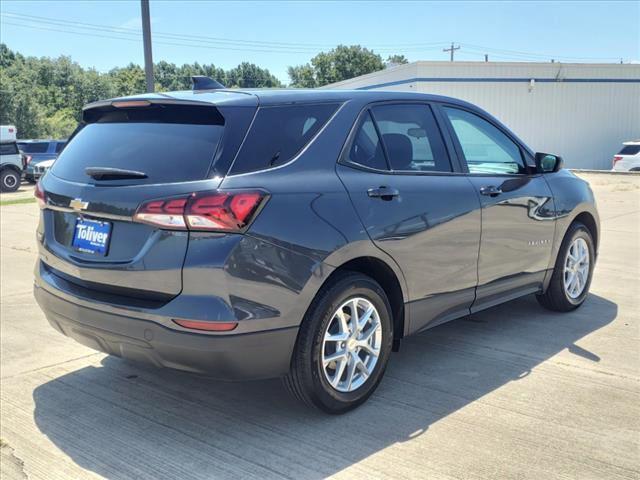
(582, 112)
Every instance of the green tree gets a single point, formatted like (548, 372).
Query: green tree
(396, 59)
(61, 124)
(129, 80)
(249, 75)
(44, 96)
(303, 76)
(341, 63)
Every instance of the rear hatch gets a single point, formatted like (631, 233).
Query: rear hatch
(125, 154)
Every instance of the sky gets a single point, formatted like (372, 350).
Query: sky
(105, 34)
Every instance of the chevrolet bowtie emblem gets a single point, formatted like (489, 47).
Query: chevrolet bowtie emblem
(78, 204)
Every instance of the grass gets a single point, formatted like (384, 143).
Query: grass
(17, 201)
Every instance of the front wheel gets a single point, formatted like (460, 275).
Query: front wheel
(9, 180)
(343, 346)
(572, 273)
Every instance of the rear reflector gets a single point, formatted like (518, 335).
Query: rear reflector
(210, 211)
(207, 326)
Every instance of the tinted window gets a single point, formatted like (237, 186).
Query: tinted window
(366, 148)
(629, 150)
(486, 148)
(8, 149)
(34, 147)
(411, 138)
(278, 133)
(166, 152)
(60, 146)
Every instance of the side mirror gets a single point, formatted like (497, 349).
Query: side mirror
(547, 163)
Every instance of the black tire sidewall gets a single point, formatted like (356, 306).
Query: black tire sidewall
(7, 174)
(326, 397)
(579, 231)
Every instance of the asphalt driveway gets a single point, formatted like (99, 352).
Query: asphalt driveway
(511, 392)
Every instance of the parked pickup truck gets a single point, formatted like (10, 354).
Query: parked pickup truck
(38, 151)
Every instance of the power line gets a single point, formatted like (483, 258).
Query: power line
(530, 54)
(218, 43)
(205, 38)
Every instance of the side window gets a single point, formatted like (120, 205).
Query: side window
(59, 146)
(411, 137)
(366, 148)
(486, 148)
(8, 149)
(278, 133)
(34, 147)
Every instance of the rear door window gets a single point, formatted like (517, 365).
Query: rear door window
(34, 147)
(279, 133)
(165, 147)
(412, 138)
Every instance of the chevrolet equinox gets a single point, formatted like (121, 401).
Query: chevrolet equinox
(299, 234)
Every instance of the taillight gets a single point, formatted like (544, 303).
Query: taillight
(40, 195)
(229, 211)
(28, 159)
(616, 159)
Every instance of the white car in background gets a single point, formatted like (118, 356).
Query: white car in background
(627, 159)
(41, 168)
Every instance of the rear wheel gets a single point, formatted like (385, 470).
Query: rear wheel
(343, 346)
(9, 180)
(572, 273)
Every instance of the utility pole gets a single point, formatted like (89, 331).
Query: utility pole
(146, 40)
(452, 49)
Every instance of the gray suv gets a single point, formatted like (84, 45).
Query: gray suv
(299, 234)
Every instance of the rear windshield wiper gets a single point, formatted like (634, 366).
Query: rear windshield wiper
(108, 173)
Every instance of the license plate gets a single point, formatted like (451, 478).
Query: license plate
(91, 236)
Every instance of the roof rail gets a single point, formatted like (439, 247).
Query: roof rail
(201, 82)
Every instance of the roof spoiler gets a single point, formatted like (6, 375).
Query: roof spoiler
(201, 82)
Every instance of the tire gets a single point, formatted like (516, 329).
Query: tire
(308, 380)
(558, 297)
(9, 180)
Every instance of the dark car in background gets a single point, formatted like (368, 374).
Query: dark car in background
(37, 151)
(303, 234)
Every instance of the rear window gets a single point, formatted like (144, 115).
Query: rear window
(34, 147)
(629, 150)
(279, 133)
(60, 146)
(8, 149)
(161, 144)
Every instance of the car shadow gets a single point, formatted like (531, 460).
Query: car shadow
(124, 421)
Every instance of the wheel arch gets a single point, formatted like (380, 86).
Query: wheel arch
(590, 222)
(385, 275)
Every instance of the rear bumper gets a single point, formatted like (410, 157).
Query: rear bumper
(246, 356)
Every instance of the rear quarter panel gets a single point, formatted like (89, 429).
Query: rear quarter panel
(310, 218)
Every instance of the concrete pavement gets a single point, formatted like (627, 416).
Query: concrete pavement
(512, 392)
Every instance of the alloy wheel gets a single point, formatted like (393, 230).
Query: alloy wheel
(576, 268)
(351, 344)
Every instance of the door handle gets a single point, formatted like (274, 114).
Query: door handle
(385, 193)
(490, 191)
